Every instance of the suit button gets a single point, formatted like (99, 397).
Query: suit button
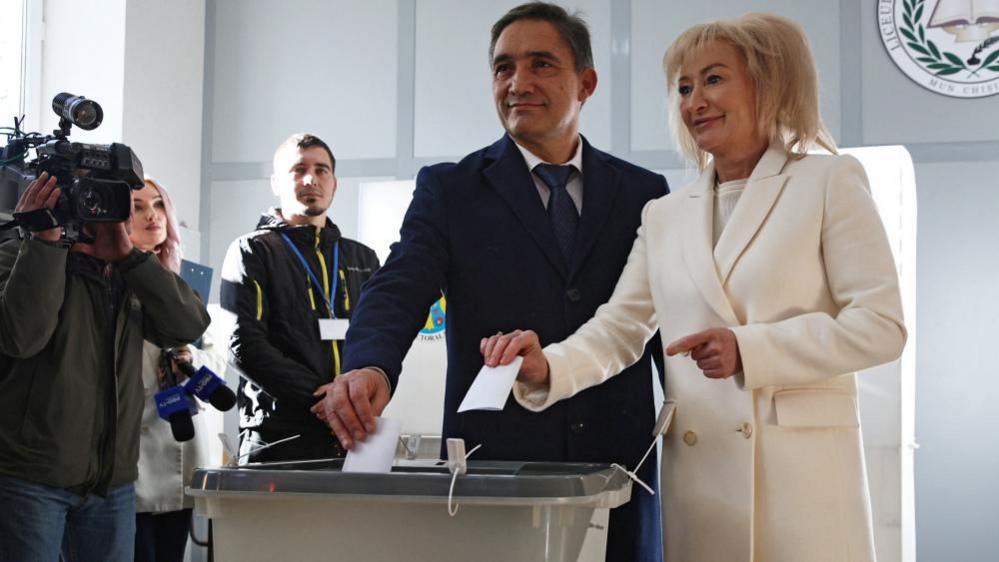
(746, 430)
(577, 427)
(574, 295)
(690, 438)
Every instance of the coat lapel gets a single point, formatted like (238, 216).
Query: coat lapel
(696, 231)
(508, 175)
(600, 188)
(764, 186)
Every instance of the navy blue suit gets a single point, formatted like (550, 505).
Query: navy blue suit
(478, 231)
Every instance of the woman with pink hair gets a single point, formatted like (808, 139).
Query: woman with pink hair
(154, 226)
(163, 513)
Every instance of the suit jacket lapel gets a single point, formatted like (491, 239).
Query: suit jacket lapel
(508, 175)
(697, 238)
(600, 188)
(764, 186)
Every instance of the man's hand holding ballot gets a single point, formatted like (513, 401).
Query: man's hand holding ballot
(351, 403)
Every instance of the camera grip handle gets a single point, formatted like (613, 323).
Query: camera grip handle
(37, 220)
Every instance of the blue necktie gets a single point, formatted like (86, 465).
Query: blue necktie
(561, 210)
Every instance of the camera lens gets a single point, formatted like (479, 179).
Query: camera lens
(85, 114)
(92, 201)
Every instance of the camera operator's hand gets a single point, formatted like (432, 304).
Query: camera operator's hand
(111, 241)
(41, 194)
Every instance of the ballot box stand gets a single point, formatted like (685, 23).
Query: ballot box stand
(506, 511)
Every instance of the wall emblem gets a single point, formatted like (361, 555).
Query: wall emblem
(948, 46)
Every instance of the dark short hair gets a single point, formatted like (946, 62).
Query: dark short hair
(571, 27)
(307, 140)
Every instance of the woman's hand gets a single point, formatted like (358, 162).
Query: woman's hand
(716, 351)
(180, 354)
(501, 349)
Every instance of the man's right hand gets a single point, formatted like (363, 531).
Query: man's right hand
(41, 194)
(351, 403)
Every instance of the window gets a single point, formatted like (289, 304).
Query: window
(11, 60)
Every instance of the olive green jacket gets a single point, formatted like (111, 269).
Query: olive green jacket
(70, 360)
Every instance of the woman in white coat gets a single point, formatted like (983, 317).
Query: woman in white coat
(773, 278)
(163, 512)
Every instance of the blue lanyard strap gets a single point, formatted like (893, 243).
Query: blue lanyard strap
(334, 275)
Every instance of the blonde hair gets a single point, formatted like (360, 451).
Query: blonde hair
(780, 64)
(168, 251)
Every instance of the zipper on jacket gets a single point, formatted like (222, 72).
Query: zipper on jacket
(100, 477)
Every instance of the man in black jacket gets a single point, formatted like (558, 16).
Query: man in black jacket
(292, 285)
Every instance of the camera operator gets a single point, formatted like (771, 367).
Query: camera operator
(72, 323)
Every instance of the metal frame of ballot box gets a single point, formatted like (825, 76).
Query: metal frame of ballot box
(508, 511)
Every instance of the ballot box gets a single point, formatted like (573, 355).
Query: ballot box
(507, 511)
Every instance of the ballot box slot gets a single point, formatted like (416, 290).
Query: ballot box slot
(495, 480)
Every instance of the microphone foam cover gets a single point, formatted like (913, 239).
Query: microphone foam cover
(182, 426)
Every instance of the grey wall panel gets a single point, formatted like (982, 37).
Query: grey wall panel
(454, 106)
(655, 24)
(679, 178)
(326, 67)
(236, 207)
(957, 378)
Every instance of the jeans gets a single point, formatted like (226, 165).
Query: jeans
(38, 522)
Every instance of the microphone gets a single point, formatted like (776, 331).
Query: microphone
(208, 386)
(174, 406)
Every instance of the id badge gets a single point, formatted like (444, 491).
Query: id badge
(333, 329)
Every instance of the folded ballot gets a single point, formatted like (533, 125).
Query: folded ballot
(491, 387)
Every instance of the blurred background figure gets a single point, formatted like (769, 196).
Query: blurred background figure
(163, 512)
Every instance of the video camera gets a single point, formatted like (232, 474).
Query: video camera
(96, 180)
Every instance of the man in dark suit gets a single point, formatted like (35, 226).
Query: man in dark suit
(516, 242)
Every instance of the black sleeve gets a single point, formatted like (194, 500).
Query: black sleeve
(395, 301)
(245, 285)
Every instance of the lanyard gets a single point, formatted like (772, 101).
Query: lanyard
(334, 275)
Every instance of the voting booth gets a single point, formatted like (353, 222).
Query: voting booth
(506, 511)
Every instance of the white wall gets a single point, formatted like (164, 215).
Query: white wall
(163, 91)
(78, 60)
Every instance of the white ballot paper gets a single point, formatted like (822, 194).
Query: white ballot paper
(375, 453)
(491, 387)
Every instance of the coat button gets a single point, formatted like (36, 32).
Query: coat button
(746, 430)
(690, 438)
(577, 427)
(574, 295)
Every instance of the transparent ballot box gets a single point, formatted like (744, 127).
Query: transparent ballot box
(507, 511)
